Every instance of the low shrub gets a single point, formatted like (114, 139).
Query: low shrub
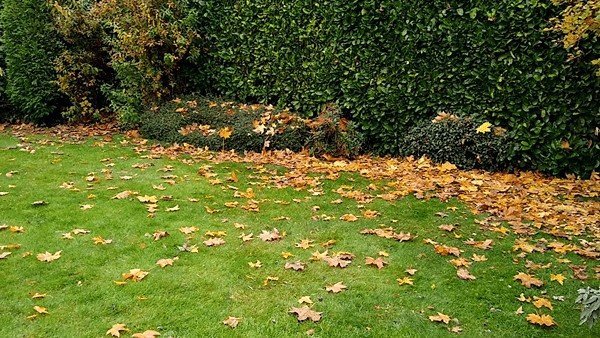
(449, 138)
(201, 121)
(226, 125)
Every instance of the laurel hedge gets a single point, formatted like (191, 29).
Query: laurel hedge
(393, 64)
(30, 46)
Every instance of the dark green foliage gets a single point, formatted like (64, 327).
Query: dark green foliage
(457, 141)
(166, 123)
(30, 46)
(390, 64)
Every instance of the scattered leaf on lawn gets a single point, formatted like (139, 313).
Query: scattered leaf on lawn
(269, 236)
(440, 317)
(543, 320)
(215, 241)
(101, 241)
(116, 330)
(3, 255)
(188, 230)
(135, 275)
(165, 261)
(146, 334)
(557, 277)
(48, 257)
(336, 288)
(542, 302)
(463, 273)
(303, 313)
(528, 280)
(405, 281)
(255, 265)
(40, 309)
(296, 266)
(349, 218)
(305, 244)
(411, 271)
(38, 295)
(158, 234)
(305, 300)
(232, 322)
(378, 262)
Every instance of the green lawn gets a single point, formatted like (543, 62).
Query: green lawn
(193, 297)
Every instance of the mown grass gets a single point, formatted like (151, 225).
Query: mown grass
(191, 298)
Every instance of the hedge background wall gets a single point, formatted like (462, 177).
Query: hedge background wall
(30, 47)
(391, 64)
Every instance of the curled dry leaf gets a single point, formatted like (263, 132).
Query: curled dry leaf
(405, 281)
(303, 313)
(542, 302)
(3, 255)
(166, 262)
(40, 309)
(349, 218)
(232, 322)
(305, 300)
(158, 234)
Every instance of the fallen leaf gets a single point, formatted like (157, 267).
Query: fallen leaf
(464, 274)
(405, 281)
(173, 209)
(484, 128)
(3, 255)
(40, 309)
(542, 302)
(336, 288)
(269, 236)
(528, 280)
(188, 230)
(543, 320)
(164, 262)
(411, 271)
(225, 133)
(296, 266)
(349, 218)
(215, 241)
(146, 334)
(519, 311)
(305, 244)
(557, 277)
(38, 295)
(255, 265)
(378, 262)
(135, 275)
(116, 330)
(48, 257)
(305, 313)
(305, 300)
(99, 240)
(440, 317)
(232, 322)
(158, 234)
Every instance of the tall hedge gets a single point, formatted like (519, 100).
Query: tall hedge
(30, 45)
(392, 64)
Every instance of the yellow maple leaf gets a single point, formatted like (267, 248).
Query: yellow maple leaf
(225, 133)
(557, 277)
(542, 320)
(484, 128)
(116, 329)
